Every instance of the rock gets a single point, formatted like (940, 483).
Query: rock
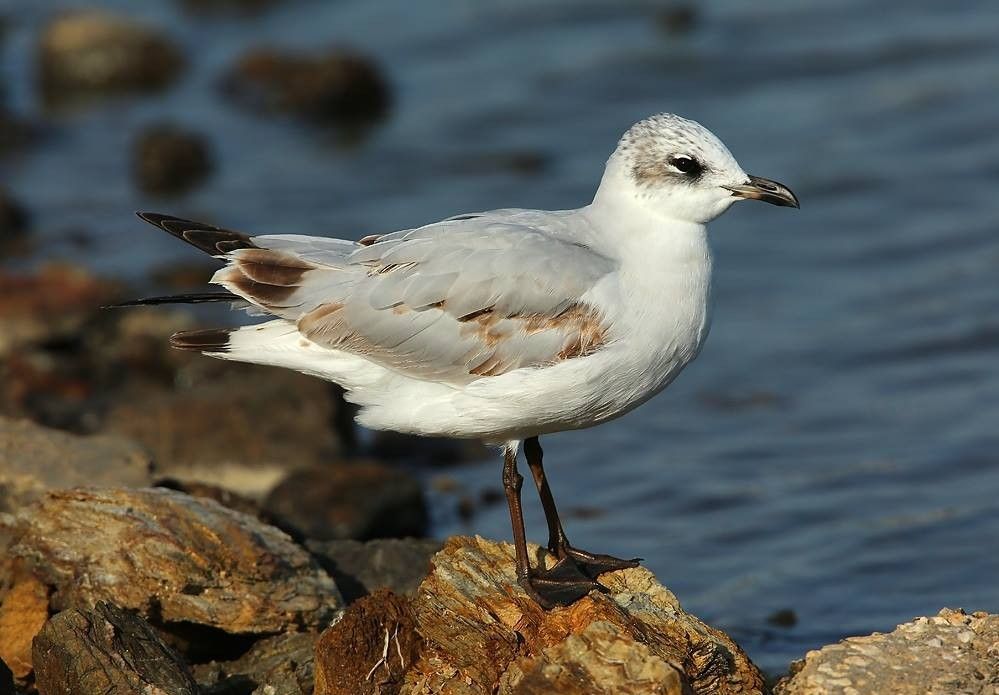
(227, 498)
(16, 132)
(48, 305)
(359, 569)
(106, 650)
(360, 500)
(173, 558)
(472, 630)
(594, 662)
(170, 160)
(225, 6)
(34, 459)
(283, 664)
(89, 52)
(952, 652)
(14, 221)
(24, 611)
(369, 649)
(678, 19)
(338, 87)
(220, 424)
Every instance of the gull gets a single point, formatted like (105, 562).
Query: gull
(503, 325)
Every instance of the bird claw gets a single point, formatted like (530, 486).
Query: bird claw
(592, 565)
(562, 585)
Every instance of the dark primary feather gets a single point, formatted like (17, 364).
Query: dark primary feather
(208, 339)
(198, 298)
(207, 238)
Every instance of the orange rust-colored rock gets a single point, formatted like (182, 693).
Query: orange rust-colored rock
(369, 649)
(174, 559)
(24, 611)
(481, 634)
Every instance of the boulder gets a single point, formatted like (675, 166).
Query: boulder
(338, 87)
(175, 559)
(952, 652)
(167, 159)
(47, 305)
(89, 52)
(282, 664)
(241, 427)
(34, 459)
(361, 568)
(109, 651)
(471, 629)
(358, 500)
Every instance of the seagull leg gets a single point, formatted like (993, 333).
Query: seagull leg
(592, 564)
(561, 585)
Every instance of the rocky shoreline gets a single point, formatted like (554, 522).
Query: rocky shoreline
(161, 535)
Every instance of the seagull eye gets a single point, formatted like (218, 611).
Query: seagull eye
(685, 164)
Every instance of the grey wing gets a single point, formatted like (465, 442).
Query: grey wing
(462, 299)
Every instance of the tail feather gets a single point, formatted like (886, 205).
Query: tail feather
(204, 340)
(207, 238)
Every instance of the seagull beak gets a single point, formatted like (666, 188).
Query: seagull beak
(759, 188)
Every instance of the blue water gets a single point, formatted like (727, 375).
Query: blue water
(834, 448)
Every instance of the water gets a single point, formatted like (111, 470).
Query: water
(833, 449)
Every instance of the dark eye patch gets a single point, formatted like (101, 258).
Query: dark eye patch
(687, 165)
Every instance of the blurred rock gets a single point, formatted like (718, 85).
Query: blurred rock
(89, 52)
(785, 617)
(34, 459)
(952, 652)
(280, 665)
(471, 629)
(24, 611)
(359, 500)
(15, 132)
(361, 568)
(220, 424)
(225, 497)
(174, 559)
(369, 649)
(14, 222)
(106, 650)
(167, 159)
(48, 305)
(227, 6)
(184, 275)
(677, 19)
(339, 87)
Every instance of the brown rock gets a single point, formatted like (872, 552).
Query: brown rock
(481, 634)
(952, 652)
(34, 459)
(47, 305)
(109, 651)
(594, 662)
(369, 649)
(277, 665)
(360, 500)
(169, 160)
(339, 87)
(360, 568)
(91, 52)
(242, 427)
(24, 611)
(174, 559)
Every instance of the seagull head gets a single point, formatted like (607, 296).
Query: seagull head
(681, 170)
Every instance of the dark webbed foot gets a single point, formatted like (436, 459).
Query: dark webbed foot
(561, 585)
(594, 564)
